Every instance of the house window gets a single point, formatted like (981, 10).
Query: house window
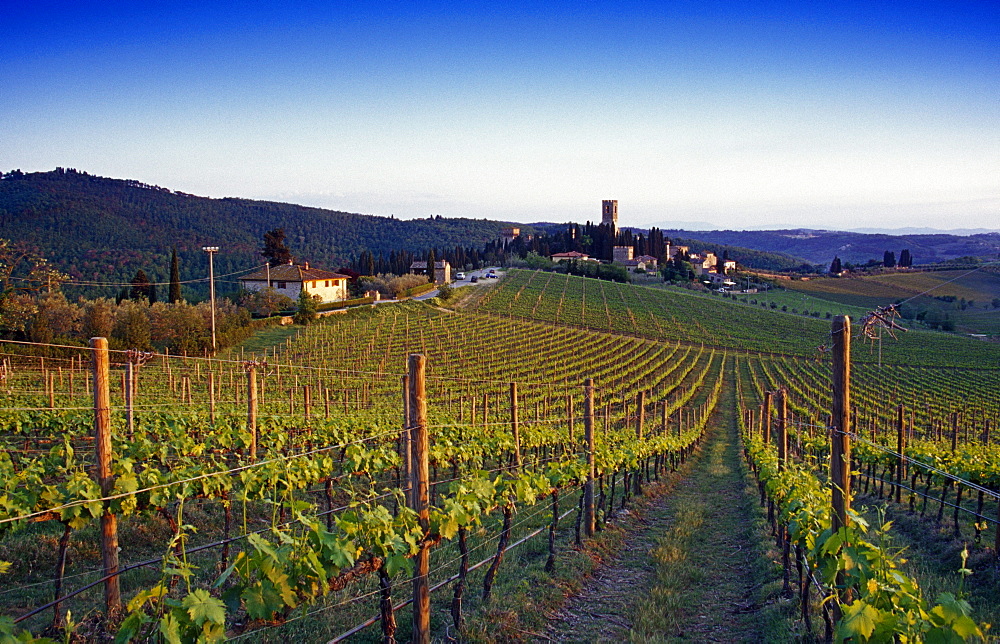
(282, 285)
(327, 283)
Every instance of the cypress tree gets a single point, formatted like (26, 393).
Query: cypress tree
(431, 260)
(175, 278)
(140, 286)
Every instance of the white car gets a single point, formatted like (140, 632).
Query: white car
(460, 276)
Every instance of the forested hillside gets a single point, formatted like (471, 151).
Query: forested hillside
(101, 229)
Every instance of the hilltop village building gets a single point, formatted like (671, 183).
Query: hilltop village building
(705, 264)
(609, 213)
(509, 234)
(442, 270)
(621, 254)
(291, 279)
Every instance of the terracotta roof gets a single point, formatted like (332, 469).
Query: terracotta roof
(646, 258)
(290, 273)
(572, 253)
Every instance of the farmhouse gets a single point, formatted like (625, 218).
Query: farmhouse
(291, 279)
(648, 260)
(570, 256)
(442, 270)
(633, 265)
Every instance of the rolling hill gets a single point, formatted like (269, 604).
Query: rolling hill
(102, 229)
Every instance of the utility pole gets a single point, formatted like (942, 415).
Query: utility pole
(212, 250)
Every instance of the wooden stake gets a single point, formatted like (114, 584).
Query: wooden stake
(102, 442)
(130, 396)
(766, 417)
(640, 414)
(252, 410)
(419, 482)
(588, 489)
(211, 396)
(405, 447)
(840, 442)
(569, 417)
(782, 428)
(514, 425)
(900, 447)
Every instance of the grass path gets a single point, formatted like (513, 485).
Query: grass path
(696, 565)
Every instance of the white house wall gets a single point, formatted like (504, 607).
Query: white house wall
(336, 292)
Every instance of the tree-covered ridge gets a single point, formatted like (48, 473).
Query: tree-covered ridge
(101, 229)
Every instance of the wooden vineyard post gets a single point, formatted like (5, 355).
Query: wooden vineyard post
(130, 396)
(211, 396)
(102, 442)
(765, 419)
(515, 430)
(406, 446)
(640, 415)
(588, 489)
(570, 419)
(782, 428)
(663, 418)
(419, 482)
(900, 447)
(782, 438)
(840, 442)
(252, 409)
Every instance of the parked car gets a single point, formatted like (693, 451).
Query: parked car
(460, 276)
(474, 279)
(491, 275)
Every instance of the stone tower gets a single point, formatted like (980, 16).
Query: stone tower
(609, 213)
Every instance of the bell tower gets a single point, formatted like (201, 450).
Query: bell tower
(609, 213)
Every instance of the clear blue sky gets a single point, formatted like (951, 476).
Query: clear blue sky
(874, 114)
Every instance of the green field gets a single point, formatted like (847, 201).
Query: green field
(271, 495)
(692, 317)
(966, 297)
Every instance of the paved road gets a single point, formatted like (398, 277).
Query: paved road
(481, 280)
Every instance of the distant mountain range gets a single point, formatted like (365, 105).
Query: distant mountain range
(821, 246)
(925, 231)
(895, 232)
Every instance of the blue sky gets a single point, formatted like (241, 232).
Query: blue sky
(880, 114)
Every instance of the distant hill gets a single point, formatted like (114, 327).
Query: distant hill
(820, 246)
(102, 229)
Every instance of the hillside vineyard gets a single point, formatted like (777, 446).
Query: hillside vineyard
(276, 495)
